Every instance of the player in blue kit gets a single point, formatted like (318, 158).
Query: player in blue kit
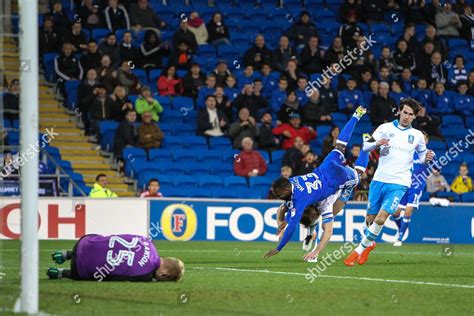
(116, 258)
(411, 200)
(331, 176)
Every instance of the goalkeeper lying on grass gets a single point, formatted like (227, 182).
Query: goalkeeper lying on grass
(116, 258)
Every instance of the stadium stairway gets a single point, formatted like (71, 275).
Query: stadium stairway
(73, 145)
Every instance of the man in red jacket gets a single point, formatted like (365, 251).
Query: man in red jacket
(294, 129)
(249, 162)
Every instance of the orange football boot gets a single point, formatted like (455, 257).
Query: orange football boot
(365, 254)
(351, 259)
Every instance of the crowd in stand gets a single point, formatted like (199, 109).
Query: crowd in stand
(263, 103)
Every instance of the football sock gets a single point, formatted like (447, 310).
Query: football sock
(398, 220)
(405, 223)
(346, 133)
(372, 234)
(362, 161)
(66, 273)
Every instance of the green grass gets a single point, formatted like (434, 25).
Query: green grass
(205, 290)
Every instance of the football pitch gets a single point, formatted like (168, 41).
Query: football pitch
(231, 278)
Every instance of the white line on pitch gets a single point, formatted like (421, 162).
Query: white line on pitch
(466, 286)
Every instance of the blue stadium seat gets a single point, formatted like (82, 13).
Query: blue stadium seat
(172, 115)
(224, 193)
(180, 102)
(165, 101)
(467, 197)
(160, 154)
(453, 120)
(48, 66)
(185, 181)
(228, 52)
(184, 155)
(107, 140)
(260, 182)
(194, 142)
(248, 193)
(265, 156)
(210, 182)
(206, 51)
(13, 138)
(145, 176)
(200, 193)
(229, 154)
(437, 144)
(449, 195)
(184, 130)
(323, 131)
(209, 155)
(134, 166)
(133, 152)
(198, 168)
(141, 74)
(70, 87)
(219, 143)
(167, 181)
(277, 156)
(99, 33)
(235, 182)
(153, 76)
(173, 168)
(470, 120)
(457, 43)
(108, 125)
(173, 142)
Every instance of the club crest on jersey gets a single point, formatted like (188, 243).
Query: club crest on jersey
(411, 139)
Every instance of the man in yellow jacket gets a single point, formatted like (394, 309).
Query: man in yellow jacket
(463, 182)
(99, 190)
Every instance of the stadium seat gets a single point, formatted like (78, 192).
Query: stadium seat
(160, 154)
(99, 33)
(141, 74)
(224, 193)
(235, 182)
(172, 142)
(228, 155)
(180, 102)
(277, 156)
(467, 197)
(260, 182)
(209, 155)
(206, 51)
(265, 156)
(437, 145)
(173, 168)
(219, 143)
(133, 152)
(48, 66)
(200, 193)
(184, 130)
(210, 182)
(70, 87)
(194, 142)
(452, 196)
(153, 76)
(185, 181)
(184, 155)
(453, 120)
(228, 52)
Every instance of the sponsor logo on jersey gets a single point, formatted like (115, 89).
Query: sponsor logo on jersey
(411, 139)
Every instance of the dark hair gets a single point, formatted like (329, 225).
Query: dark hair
(257, 80)
(130, 111)
(279, 185)
(219, 86)
(153, 180)
(309, 214)
(100, 175)
(310, 152)
(210, 96)
(414, 105)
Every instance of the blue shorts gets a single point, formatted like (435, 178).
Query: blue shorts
(411, 198)
(335, 172)
(384, 196)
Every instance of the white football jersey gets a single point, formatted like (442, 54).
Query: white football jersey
(396, 158)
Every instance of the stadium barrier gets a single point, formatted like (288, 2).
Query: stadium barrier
(218, 220)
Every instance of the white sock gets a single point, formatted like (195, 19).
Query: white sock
(372, 234)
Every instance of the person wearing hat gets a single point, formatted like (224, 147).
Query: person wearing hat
(302, 30)
(221, 72)
(290, 131)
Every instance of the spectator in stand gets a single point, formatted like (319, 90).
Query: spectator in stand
(286, 172)
(436, 183)
(349, 7)
(373, 10)
(182, 57)
(268, 81)
(441, 102)
(109, 47)
(152, 51)
(60, 18)
(197, 26)
(467, 21)
(11, 102)
(100, 110)
(410, 37)
(121, 104)
(403, 58)
(429, 124)
(153, 190)
(316, 111)
(106, 74)
(439, 43)
(143, 17)
(223, 103)
(350, 98)
(422, 94)
(231, 90)
(90, 15)
(373, 91)
(207, 90)
(385, 60)
(91, 59)
(406, 79)
(414, 11)
(218, 32)
(169, 84)
(249, 162)
(289, 106)
(302, 30)
(310, 162)
(100, 188)
(334, 53)
(438, 73)
(396, 92)
(462, 102)
(463, 182)
(312, 57)
(127, 79)
(293, 156)
(127, 51)
(458, 6)
(330, 141)
(423, 59)
(355, 152)
(86, 93)
(116, 16)
(292, 130)
(48, 38)
(458, 72)
(76, 37)
(67, 66)
(149, 133)
(259, 54)
(301, 94)
(363, 82)
(448, 22)
(146, 103)
(221, 72)
(279, 95)
(248, 99)
(184, 35)
(349, 32)
(470, 83)
(382, 108)
(284, 53)
(193, 81)
(245, 126)
(211, 121)
(246, 77)
(329, 95)
(126, 134)
(292, 74)
(266, 139)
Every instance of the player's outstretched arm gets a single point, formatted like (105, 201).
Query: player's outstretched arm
(327, 233)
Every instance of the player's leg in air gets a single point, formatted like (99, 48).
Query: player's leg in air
(115, 258)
